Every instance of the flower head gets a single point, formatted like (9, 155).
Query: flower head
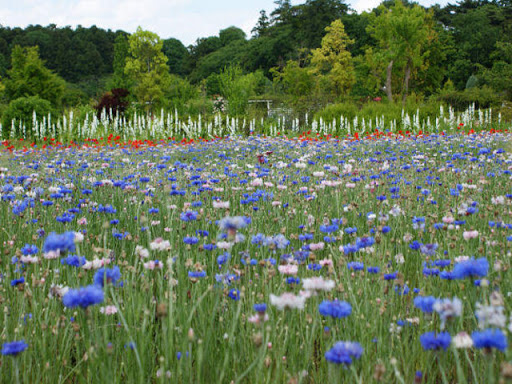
(14, 347)
(343, 352)
(432, 341)
(83, 297)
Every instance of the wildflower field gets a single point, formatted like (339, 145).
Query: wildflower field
(257, 260)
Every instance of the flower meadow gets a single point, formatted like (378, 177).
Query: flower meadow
(258, 260)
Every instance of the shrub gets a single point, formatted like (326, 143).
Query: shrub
(21, 111)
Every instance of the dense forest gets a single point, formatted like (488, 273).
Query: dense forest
(307, 57)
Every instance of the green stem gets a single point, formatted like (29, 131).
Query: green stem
(475, 380)
(17, 370)
(127, 329)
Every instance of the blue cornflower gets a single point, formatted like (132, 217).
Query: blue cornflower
(350, 248)
(415, 245)
(365, 242)
(343, 352)
(222, 259)
(14, 347)
(83, 297)
(188, 216)
(490, 338)
(196, 274)
(336, 308)
(390, 276)
(373, 269)
(429, 249)
(260, 307)
(106, 275)
(329, 228)
(234, 294)
(425, 303)
(29, 249)
(190, 240)
(314, 267)
(471, 268)
(432, 341)
(15, 282)
(73, 260)
(350, 230)
(355, 265)
(63, 242)
(233, 223)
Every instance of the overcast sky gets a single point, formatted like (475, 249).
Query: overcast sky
(186, 20)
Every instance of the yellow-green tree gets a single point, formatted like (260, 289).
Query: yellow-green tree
(147, 67)
(333, 61)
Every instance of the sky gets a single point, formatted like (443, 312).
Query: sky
(185, 20)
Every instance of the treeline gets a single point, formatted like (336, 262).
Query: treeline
(307, 56)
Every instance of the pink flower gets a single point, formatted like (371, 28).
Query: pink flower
(52, 255)
(152, 265)
(82, 221)
(316, 246)
(470, 235)
(109, 310)
(325, 262)
(288, 269)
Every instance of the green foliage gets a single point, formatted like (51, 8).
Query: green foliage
(403, 35)
(231, 34)
(334, 61)
(176, 54)
(29, 77)
(472, 82)
(482, 97)
(298, 84)
(21, 110)
(121, 53)
(179, 93)
(147, 68)
(236, 88)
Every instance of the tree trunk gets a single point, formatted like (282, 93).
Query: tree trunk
(387, 87)
(407, 77)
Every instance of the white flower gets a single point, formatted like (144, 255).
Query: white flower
(224, 245)
(448, 308)
(160, 244)
(462, 340)
(57, 291)
(29, 259)
(287, 300)
(318, 284)
(399, 258)
(221, 204)
(490, 316)
(141, 252)
(79, 237)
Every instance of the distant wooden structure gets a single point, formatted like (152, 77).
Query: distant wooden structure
(268, 102)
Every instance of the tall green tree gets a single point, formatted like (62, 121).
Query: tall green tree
(147, 67)
(402, 34)
(28, 76)
(121, 53)
(176, 54)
